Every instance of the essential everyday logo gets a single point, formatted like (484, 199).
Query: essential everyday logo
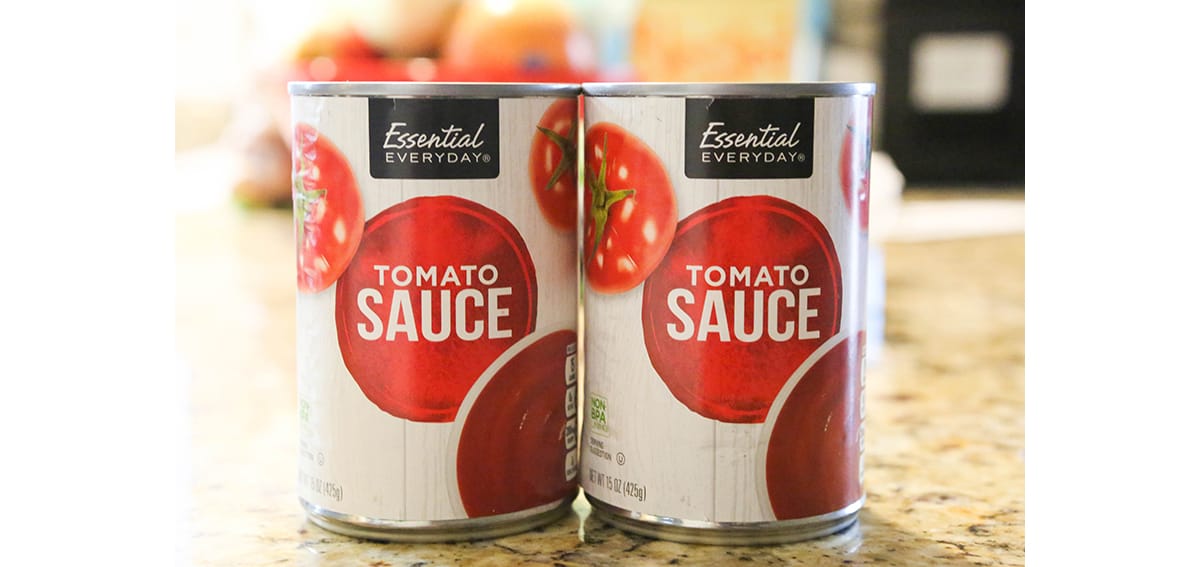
(434, 138)
(748, 138)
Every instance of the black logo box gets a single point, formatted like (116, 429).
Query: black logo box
(390, 118)
(787, 120)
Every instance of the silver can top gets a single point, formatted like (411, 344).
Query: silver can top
(750, 90)
(433, 89)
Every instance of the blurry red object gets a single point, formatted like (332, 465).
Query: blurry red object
(421, 69)
(363, 69)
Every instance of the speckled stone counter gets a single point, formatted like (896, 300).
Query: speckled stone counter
(945, 420)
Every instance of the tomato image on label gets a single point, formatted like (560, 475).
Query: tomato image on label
(749, 289)
(552, 163)
(439, 288)
(328, 209)
(813, 463)
(629, 209)
(516, 449)
(855, 174)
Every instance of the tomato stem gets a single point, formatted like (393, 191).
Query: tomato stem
(305, 200)
(603, 199)
(567, 147)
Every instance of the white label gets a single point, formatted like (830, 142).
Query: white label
(364, 452)
(661, 354)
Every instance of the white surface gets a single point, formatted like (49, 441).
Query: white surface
(896, 217)
(957, 218)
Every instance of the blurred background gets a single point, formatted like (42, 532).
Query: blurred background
(949, 113)
(946, 245)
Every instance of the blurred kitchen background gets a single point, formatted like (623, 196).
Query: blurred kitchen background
(949, 114)
(947, 175)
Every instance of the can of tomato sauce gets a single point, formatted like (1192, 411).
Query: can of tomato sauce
(724, 250)
(436, 314)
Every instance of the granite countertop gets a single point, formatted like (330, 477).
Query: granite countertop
(945, 469)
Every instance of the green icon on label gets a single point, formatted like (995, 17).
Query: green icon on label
(598, 413)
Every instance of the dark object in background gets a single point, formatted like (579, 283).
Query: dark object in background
(954, 91)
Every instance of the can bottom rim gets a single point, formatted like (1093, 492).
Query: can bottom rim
(727, 533)
(488, 527)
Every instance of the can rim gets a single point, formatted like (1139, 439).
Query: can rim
(813, 89)
(431, 89)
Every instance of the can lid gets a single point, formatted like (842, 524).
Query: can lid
(432, 89)
(782, 90)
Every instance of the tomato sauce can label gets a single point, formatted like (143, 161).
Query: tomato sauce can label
(724, 251)
(436, 308)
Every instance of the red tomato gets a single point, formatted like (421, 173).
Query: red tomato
(517, 443)
(814, 453)
(629, 206)
(497, 41)
(373, 69)
(328, 209)
(855, 173)
(440, 287)
(750, 288)
(552, 163)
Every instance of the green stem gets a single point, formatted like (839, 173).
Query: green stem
(567, 147)
(603, 199)
(304, 200)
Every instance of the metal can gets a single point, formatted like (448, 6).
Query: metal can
(437, 306)
(724, 250)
